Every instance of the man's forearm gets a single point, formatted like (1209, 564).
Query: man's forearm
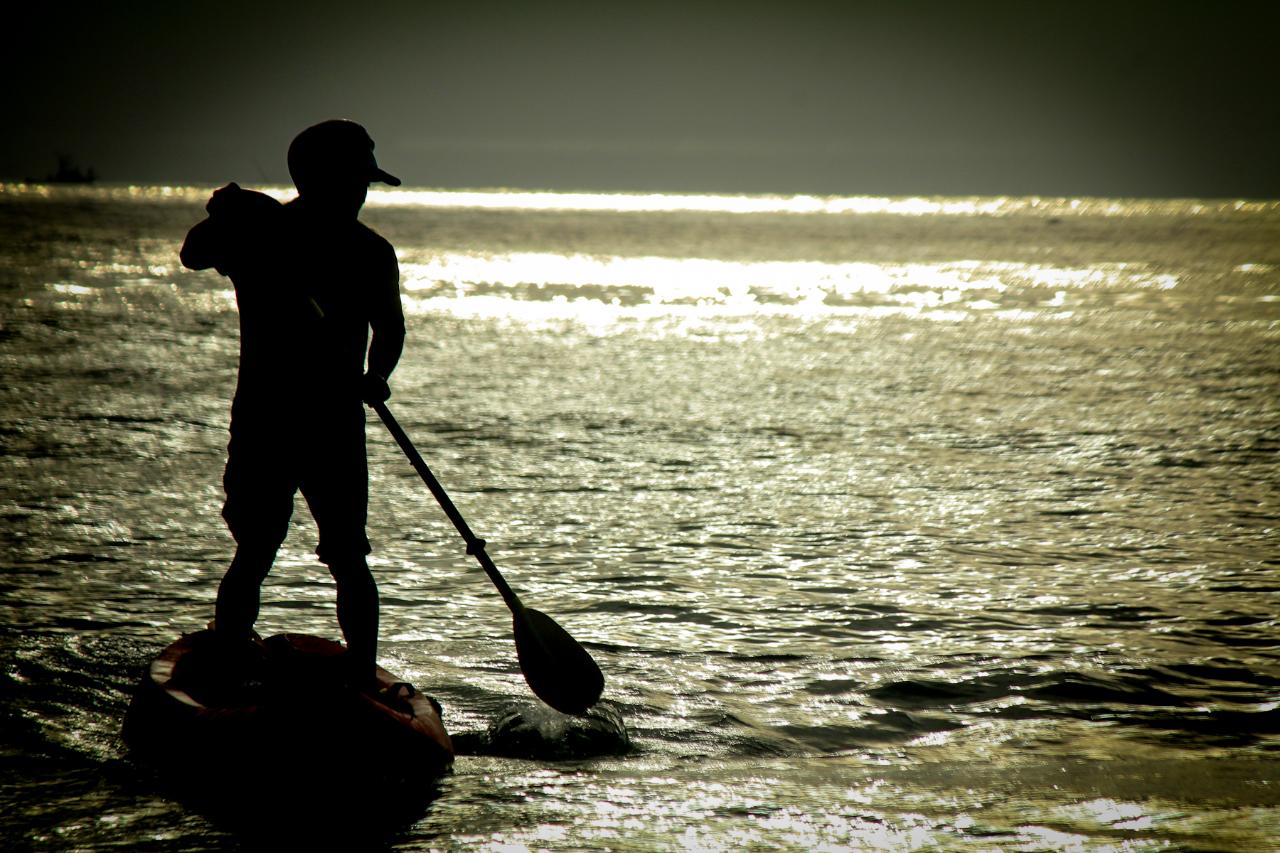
(385, 349)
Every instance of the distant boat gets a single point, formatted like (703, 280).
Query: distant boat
(69, 173)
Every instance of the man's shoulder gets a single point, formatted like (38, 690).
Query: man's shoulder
(235, 201)
(371, 236)
(375, 243)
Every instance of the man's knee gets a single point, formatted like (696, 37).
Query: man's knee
(344, 553)
(349, 569)
(252, 563)
(257, 544)
(257, 529)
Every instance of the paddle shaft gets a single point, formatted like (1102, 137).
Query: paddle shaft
(475, 545)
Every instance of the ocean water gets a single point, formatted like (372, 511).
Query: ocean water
(906, 524)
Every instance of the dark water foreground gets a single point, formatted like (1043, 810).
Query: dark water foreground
(890, 531)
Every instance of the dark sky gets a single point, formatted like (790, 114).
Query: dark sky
(1048, 97)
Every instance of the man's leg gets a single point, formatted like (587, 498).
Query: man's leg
(337, 491)
(358, 616)
(239, 594)
(260, 489)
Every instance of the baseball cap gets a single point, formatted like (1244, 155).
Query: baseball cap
(335, 148)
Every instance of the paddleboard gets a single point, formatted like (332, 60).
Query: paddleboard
(281, 706)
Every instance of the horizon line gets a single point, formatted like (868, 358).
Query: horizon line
(641, 201)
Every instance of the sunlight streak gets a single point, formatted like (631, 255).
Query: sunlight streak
(601, 292)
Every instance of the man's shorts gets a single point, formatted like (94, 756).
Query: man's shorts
(268, 463)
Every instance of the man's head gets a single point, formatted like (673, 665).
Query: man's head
(332, 165)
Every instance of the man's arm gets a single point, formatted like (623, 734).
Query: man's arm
(236, 218)
(386, 320)
(203, 245)
(208, 242)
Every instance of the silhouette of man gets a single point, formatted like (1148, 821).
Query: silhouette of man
(311, 281)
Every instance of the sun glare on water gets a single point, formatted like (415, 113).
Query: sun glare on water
(604, 293)
(608, 293)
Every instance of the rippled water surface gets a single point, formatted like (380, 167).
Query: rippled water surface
(903, 524)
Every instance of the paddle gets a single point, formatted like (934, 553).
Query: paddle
(559, 670)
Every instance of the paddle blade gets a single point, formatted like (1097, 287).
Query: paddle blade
(559, 670)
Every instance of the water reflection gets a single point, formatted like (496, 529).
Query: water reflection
(861, 803)
(999, 582)
(612, 294)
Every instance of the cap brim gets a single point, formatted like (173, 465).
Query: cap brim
(384, 177)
